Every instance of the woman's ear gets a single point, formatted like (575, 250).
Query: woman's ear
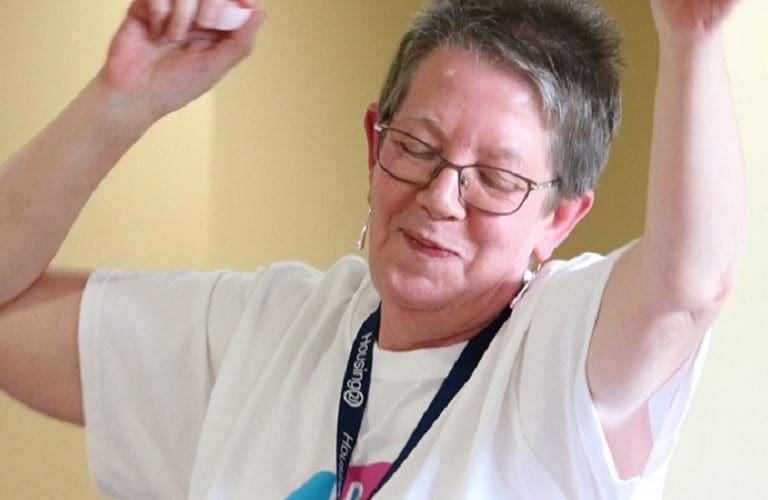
(371, 118)
(563, 219)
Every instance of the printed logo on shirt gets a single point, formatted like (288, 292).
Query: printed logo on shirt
(360, 483)
(353, 396)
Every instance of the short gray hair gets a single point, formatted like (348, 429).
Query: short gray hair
(568, 49)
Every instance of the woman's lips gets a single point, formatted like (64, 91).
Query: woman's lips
(427, 247)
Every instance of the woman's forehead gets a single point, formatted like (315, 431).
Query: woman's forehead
(457, 98)
(450, 82)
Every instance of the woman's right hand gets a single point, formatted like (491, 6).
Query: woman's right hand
(166, 53)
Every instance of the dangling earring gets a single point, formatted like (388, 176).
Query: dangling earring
(364, 232)
(537, 268)
(534, 267)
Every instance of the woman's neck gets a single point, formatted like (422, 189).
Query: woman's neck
(406, 329)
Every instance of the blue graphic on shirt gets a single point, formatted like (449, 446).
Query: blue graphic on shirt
(319, 487)
(359, 484)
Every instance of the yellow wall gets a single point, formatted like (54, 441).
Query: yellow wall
(618, 214)
(724, 442)
(151, 212)
(289, 156)
(272, 166)
(266, 167)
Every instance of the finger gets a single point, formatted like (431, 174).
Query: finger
(198, 35)
(223, 15)
(139, 10)
(248, 4)
(208, 12)
(184, 11)
(153, 14)
(158, 15)
(200, 44)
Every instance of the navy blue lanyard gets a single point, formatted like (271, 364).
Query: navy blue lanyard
(357, 381)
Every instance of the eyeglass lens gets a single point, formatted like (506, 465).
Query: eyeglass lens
(486, 188)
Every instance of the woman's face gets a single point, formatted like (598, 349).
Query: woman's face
(428, 250)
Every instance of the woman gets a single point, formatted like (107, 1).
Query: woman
(483, 151)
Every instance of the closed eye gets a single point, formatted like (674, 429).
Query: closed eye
(417, 150)
(499, 180)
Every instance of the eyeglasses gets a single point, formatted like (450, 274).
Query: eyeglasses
(489, 189)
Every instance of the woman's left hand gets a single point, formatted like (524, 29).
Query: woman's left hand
(690, 20)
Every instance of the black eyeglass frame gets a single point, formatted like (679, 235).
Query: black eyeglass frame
(443, 164)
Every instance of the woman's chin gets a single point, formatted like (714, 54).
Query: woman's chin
(417, 294)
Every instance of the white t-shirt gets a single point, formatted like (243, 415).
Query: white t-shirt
(226, 385)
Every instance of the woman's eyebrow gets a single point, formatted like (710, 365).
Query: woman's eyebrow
(502, 152)
(428, 119)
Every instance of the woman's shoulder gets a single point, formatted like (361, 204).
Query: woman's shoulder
(297, 282)
(350, 269)
(580, 270)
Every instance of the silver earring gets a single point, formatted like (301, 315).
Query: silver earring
(538, 267)
(533, 268)
(364, 232)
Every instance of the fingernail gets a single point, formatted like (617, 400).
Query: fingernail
(206, 18)
(231, 18)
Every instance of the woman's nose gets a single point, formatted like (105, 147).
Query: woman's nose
(442, 198)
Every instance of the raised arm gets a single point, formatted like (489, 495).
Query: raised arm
(160, 59)
(666, 291)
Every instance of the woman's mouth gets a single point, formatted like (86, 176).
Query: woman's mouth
(427, 247)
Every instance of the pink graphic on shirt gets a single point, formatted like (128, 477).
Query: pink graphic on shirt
(362, 480)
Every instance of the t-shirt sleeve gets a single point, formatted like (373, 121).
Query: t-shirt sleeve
(559, 417)
(149, 355)
(667, 408)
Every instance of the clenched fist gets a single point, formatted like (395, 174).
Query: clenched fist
(168, 52)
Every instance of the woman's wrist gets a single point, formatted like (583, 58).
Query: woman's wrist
(128, 113)
(678, 52)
